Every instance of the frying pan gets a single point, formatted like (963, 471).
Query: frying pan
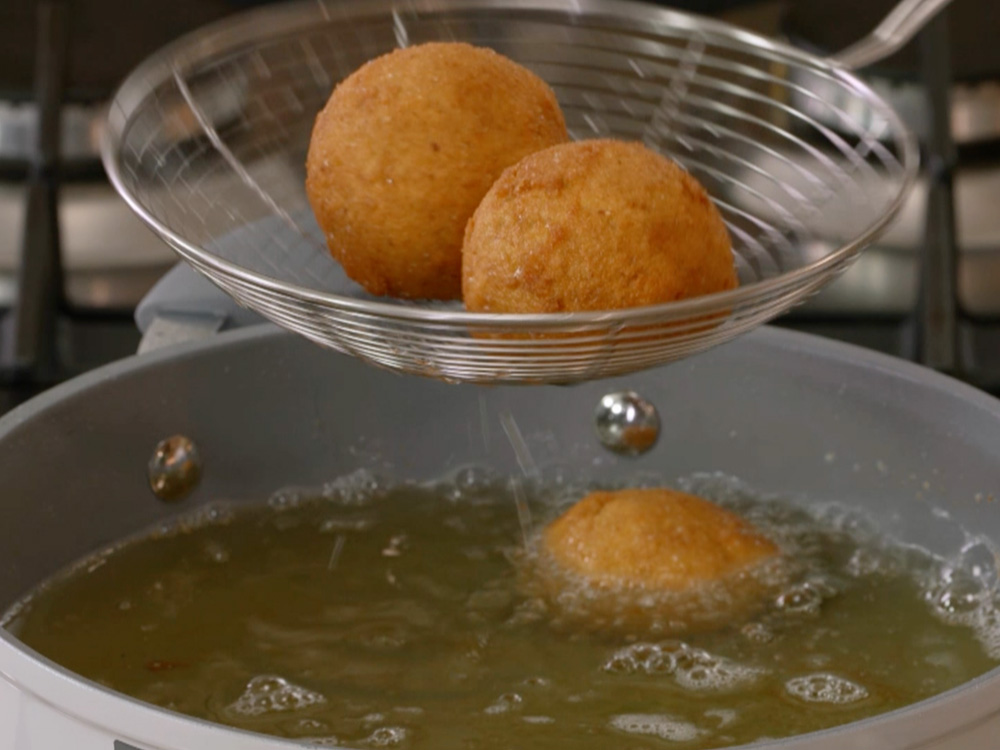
(808, 419)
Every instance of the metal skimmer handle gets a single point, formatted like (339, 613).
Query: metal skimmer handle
(896, 29)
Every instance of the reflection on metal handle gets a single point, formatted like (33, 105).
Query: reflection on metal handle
(896, 29)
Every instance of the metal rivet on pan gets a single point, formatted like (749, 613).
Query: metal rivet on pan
(627, 423)
(175, 468)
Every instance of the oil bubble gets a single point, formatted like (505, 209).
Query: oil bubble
(698, 670)
(642, 658)
(214, 514)
(692, 668)
(504, 704)
(270, 693)
(308, 725)
(386, 737)
(866, 562)
(757, 632)
(825, 688)
(474, 478)
(356, 488)
(801, 598)
(725, 716)
(818, 661)
(395, 546)
(285, 499)
(957, 597)
(556, 475)
(528, 612)
(721, 488)
(657, 725)
(962, 590)
(309, 731)
(216, 553)
(979, 558)
(320, 741)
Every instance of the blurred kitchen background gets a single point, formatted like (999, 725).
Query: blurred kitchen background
(75, 262)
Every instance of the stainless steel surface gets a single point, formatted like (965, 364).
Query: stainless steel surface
(791, 415)
(232, 202)
(626, 423)
(899, 27)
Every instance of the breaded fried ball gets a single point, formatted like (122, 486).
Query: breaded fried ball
(405, 150)
(654, 539)
(593, 225)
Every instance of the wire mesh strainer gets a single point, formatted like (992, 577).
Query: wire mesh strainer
(207, 142)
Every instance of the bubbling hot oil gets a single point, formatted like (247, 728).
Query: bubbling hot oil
(365, 615)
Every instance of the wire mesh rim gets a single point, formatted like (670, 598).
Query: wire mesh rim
(225, 34)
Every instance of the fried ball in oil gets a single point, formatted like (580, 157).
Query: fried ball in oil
(593, 225)
(654, 538)
(405, 150)
(655, 558)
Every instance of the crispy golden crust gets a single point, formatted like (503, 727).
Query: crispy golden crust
(656, 539)
(405, 149)
(593, 225)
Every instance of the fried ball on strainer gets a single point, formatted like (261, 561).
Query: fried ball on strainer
(406, 148)
(593, 225)
(642, 556)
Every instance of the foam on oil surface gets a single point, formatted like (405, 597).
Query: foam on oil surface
(825, 688)
(962, 589)
(691, 668)
(661, 726)
(271, 694)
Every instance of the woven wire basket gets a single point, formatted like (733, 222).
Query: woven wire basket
(207, 142)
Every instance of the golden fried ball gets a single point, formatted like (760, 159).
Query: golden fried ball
(655, 539)
(405, 150)
(593, 225)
